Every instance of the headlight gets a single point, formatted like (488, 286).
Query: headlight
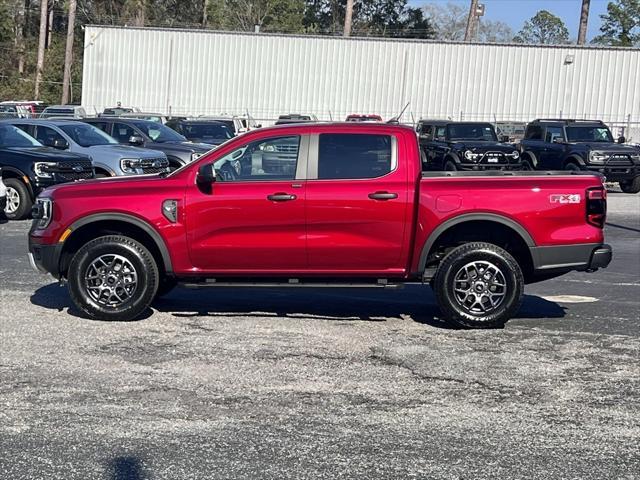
(269, 148)
(195, 156)
(41, 212)
(598, 157)
(469, 155)
(130, 165)
(41, 169)
(515, 154)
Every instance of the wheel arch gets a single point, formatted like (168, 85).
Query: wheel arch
(101, 224)
(574, 158)
(13, 172)
(494, 228)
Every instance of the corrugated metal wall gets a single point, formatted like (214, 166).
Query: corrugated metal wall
(200, 72)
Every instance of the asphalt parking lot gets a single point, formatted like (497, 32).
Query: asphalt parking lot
(324, 384)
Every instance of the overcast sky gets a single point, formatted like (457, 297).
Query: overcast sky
(515, 12)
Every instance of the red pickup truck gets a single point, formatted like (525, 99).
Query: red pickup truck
(320, 205)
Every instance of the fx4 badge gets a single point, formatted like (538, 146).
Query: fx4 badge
(564, 198)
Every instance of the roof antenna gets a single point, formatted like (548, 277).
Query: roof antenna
(396, 120)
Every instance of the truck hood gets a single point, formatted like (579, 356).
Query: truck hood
(478, 146)
(214, 142)
(109, 186)
(45, 154)
(125, 151)
(186, 147)
(610, 147)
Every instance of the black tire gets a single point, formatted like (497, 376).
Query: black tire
(450, 166)
(167, 284)
(23, 208)
(483, 258)
(117, 278)
(631, 186)
(572, 167)
(526, 166)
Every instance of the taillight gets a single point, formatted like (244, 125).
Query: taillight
(596, 206)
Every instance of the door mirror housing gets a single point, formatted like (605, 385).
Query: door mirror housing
(58, 143)
(558, 140)
(206, 174)
(621, 139)
(136, 140)
(504, 138)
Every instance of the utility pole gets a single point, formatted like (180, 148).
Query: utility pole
(68, 53)
(471, 21)
(42, 40)
(584, 19)
(205, 12)
(348, 16)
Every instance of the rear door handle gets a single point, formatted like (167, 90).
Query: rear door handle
(383, 196)
(281, 197)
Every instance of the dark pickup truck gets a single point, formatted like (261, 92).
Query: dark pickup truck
(28, 167)
(556, 144)
(451, 146)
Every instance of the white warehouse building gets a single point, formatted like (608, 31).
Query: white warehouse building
(208, 72)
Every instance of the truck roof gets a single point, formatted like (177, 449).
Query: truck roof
(568, 121)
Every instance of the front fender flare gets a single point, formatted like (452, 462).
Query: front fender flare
(143, 225)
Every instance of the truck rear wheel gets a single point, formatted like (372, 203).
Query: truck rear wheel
(631, 186)
(478, 285)
(113, 278)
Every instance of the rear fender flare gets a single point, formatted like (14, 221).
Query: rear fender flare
(468, 217)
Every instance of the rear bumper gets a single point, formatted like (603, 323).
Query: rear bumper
(584, 257)
(45, 258)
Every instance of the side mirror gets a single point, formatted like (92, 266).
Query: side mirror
(621, 139)
(136, 140)
(58, 143)
(206, 174)
(504, 138)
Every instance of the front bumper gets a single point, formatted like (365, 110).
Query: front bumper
(616, 173)
(45, 258)
(483, 167)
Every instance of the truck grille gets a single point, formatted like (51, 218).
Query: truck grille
(155, 165)
(72, 171)
(284, 148)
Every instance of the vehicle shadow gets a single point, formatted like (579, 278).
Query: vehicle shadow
(126, 468)
(339, 304)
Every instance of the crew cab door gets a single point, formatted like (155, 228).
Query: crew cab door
(357, 204)
(251, 219)
(551, 156)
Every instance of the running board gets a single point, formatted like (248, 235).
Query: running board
(292, 282)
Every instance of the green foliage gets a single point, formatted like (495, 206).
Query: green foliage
(621, 24)
(543, 28)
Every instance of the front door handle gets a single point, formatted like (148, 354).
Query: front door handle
(281, 197)
(383, 196)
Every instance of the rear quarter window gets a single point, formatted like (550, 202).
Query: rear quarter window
(355, 156)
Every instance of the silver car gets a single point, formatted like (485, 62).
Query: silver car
(108, 156)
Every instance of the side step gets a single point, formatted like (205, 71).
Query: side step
(291, 282)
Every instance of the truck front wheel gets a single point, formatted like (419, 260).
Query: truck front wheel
(631, 186)
(113, 278)
(478, 285)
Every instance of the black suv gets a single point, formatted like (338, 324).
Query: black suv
(28, 167)
(557, 144)
(152, 135)
(450, 146)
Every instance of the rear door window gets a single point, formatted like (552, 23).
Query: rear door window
(351, 156)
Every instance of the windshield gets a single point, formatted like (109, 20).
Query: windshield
(472, 131)
(158, 132)
(206, 130)
(11, 136)
(87, 135)
(589, 134)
